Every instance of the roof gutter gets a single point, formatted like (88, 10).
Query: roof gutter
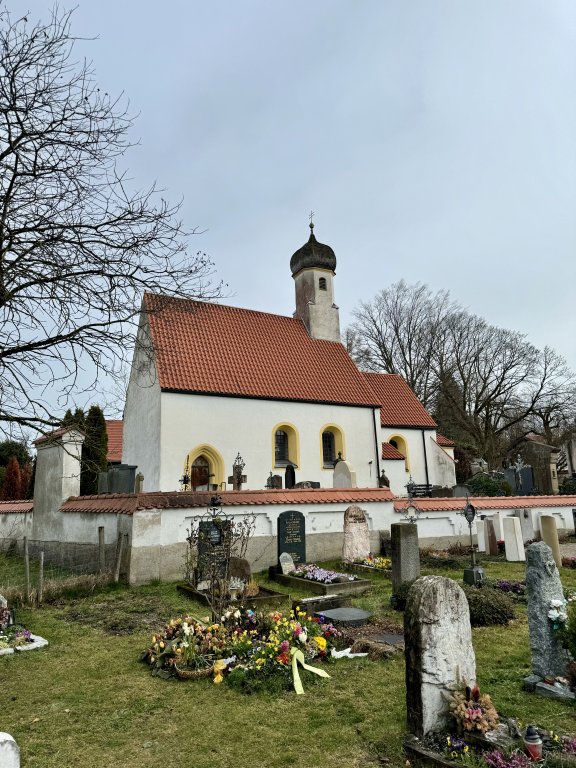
(425, 457)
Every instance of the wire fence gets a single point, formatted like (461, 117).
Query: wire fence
(33, 572)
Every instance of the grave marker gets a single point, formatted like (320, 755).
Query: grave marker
(344, 475)
(356, 544)
(292, 535)
(542, 586)
(438, 649)
(9, 752)
(549, 531)
(213, 549)
(490, 535)
(405, 554)
(525, 517)
(513, 542)
(287, 563)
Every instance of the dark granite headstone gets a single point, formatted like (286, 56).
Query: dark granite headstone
(289, 476)
(491, 541)
(213, 549)
(292, 535)
(405, 554)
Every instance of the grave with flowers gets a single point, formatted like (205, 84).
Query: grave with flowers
(250, 651)
(14, 637)
(450, 721)
(323, 581)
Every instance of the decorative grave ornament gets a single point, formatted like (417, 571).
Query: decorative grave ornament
(475, 574)
(237, 478)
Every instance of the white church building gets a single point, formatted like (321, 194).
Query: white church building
(211, 382)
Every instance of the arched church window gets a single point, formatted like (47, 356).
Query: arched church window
(400, 444)
(332, 445)
(285, 443)
(322, 283)
(328, 449)
(281, 447)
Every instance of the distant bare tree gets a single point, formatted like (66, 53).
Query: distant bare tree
(401, 331)
(79, 242)
(486, 386)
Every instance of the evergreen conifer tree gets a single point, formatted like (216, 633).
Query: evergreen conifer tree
(94, 450)
(12, 486)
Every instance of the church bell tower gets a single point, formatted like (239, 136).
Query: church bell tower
(313, 268)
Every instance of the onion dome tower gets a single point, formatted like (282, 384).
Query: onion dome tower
(313, 268)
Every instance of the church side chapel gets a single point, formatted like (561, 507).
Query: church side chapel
(222, 398)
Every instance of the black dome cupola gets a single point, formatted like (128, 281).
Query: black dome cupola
(313, 255)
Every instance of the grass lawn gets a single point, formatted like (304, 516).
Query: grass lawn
(87, 701)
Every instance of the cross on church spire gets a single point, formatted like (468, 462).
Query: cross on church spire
(311, 222)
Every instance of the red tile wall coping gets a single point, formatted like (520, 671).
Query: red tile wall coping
(444, 441)
(399, 406)
(15, 507)
(487, 502)
(131, 502)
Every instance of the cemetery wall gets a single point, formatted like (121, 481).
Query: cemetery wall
(188, 422)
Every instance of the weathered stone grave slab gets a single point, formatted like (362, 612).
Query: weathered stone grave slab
(526, 524)
(347, 617)
(542, 586)
(513, 542)
(320, 603)
(344, 475)
(405, 554)
(292, 535)
(481, 540)
(438, 650)
(356, 544)
(549, 531)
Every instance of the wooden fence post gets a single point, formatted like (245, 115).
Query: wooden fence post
(26, 569)
(101, 549)
(41, 579)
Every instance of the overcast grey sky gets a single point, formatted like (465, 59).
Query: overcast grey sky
(434, 139)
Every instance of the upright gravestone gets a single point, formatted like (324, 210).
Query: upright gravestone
(287, 563)
(513, 543)
(543, 585)
(526, 525)
(438, 650)
(292, 535)
(549, 532)
(344, 475)
(289, 476)
(213, 549)
(490, 536)
(405, 554)
(356, 544)
(9, 752)
(481, 535)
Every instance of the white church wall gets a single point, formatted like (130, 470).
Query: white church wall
(246, 426)
(396, 472)
(441, 470)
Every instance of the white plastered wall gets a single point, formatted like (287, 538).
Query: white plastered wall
(441, 468)
(141, 429)
(246, 426)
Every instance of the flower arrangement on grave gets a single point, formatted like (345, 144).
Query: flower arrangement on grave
(14, 636)
(378, 563)
(313, 572)
(472, 710)
(509, 586)
(244, 648)
(557, 614)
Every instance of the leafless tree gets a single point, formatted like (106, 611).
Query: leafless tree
(488, 387)
(400, 331)
(79, 242)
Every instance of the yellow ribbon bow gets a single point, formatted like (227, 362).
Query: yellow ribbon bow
(298, 657)
(219, 667)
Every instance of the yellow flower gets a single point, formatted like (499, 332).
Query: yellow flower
(162, 645)
(320, 642)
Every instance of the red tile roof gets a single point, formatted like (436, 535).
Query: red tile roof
(15, 507)
(399, 406)
(487, 502)
(445, 442)
(389, 452)
(128, 503)
(114, 430)
(55, 434)
(215, 349)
